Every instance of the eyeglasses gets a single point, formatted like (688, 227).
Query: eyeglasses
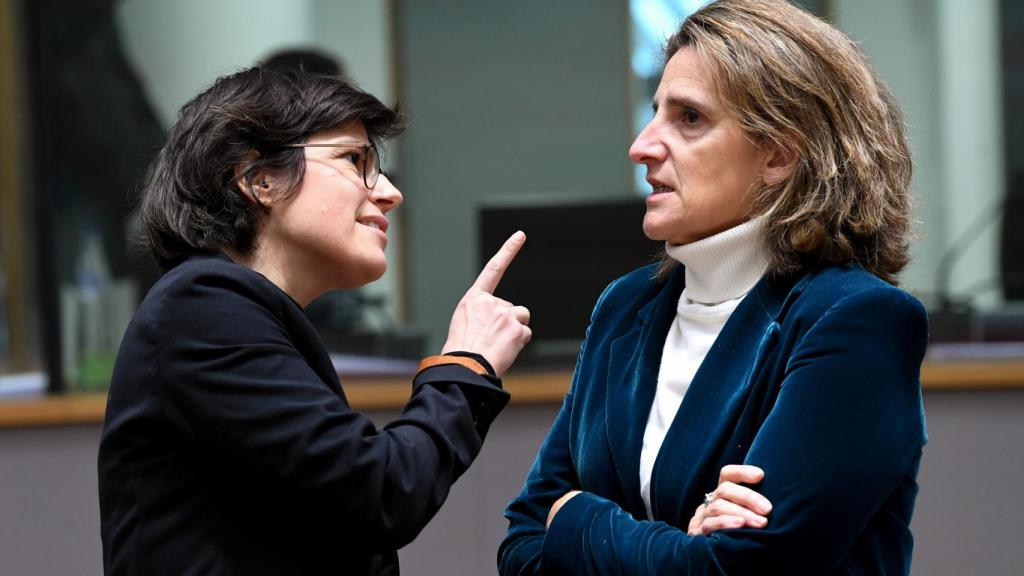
(370, 159)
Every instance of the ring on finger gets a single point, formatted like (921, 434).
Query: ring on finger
(708, 498)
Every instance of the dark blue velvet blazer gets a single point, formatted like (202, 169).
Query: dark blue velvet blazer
(814, 378)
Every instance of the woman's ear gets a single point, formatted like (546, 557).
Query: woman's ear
(254, 183)
(779, 163)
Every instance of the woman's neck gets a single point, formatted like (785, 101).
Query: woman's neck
(276, 271)
(724, 266)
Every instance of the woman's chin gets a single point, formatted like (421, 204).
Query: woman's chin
(654, 232)
(376, 272)
(368, 273)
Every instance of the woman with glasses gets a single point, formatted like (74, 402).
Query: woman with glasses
(229, 446)
(750, 405)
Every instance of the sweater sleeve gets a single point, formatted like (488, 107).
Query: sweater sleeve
(262, 417)
(845, 430)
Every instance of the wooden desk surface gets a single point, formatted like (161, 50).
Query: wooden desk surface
(526, 387)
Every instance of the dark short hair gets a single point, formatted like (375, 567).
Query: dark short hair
(308, 60)
(794, 80)
(191, 201)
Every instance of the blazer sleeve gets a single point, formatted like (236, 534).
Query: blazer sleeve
(260, 417)
(550, 478)
(847, 427)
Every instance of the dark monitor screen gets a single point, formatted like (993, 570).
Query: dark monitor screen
(572, 252)
(1011, 24)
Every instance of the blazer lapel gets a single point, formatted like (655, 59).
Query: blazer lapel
(713, 401)
(632, 379)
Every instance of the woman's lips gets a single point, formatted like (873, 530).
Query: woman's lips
(376, 222)
(659, 195)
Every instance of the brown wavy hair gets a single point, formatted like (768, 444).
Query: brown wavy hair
(795, 81)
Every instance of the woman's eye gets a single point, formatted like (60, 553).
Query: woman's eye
(356, 158)
(691, 116)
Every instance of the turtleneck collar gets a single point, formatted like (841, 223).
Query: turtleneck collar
(724, 266)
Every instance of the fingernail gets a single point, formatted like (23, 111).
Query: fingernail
(761, 521)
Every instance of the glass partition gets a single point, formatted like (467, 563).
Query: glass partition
(108, 79)
(20, 358)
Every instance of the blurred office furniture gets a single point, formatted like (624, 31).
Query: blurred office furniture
(1012, 239)
(573, 251)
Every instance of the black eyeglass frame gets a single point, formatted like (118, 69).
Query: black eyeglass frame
(369, 179)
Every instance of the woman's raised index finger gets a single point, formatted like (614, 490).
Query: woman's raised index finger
(489, 277)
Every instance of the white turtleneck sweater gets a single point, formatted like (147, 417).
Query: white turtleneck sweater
(720, 271)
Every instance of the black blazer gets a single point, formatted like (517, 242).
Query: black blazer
(229, 446)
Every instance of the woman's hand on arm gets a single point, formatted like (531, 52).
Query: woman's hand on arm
(558, 504)
(487, 325)
(732, 505)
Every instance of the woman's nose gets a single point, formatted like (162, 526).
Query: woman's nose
(647, 147)
(384, 194)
